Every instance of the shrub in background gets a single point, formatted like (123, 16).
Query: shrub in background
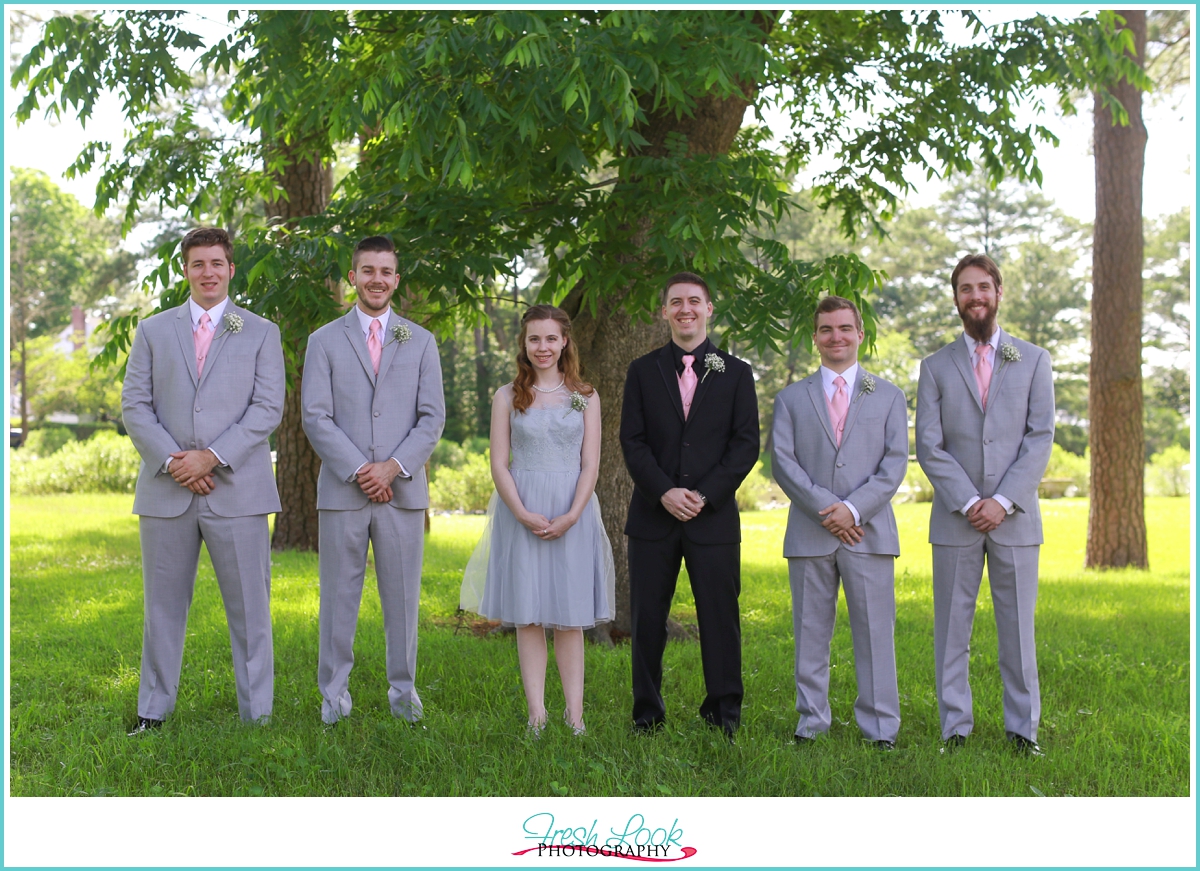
(465, 488)
(1066, 465)
(47, 440)
(447, 453)
(916, 486)
(1170, 472)
(755, 492)
(105, 463)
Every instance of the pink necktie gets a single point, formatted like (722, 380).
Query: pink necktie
(983, 372)
(374, 347)
(202, 338)
(687, 384)
(838, 406)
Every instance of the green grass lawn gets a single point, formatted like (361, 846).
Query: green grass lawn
(1113, 653)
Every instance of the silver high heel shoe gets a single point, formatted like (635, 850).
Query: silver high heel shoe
(576, 731)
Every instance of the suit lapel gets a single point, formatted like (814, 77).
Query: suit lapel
(187, 344)
(999, 367)
(666, 367)
(358, 341)
(390, 345)
(962, 359)
(220, 338)
(857, 398)
(704, 376)
(816, 392)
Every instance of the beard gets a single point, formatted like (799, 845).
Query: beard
(979, 328)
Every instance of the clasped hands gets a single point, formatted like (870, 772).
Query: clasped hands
(839, 520)
(682, 504)
(547, 530)
(986, 514)
(375, 479)
(193, 470)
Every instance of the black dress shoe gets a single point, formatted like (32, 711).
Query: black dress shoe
(953, 743)
(803, 740)
(145, 724)
(1023, 745)
(885, 745)
(651, 728)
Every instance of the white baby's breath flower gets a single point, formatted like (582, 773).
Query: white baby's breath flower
(868, 384)
(578, 402)
(233, 323)
(712, 363)
(1009, 353)
(401, 333)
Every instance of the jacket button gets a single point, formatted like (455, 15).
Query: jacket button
(197, 409)
(377, 414)
(839, 465)
(685, 444)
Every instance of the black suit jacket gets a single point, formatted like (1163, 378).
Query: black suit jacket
(712, 451)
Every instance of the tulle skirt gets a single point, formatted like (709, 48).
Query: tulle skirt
(515, 577)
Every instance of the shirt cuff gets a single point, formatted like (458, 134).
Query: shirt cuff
(403, 471)
(1005, 503)
(972, 501)
(220, 461)
(354, 477)
(854, 511)
(166, 466)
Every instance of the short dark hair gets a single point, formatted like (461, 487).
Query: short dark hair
(980, 261)
(373, 243)
(683, 278)
(833, 303)
(203, 237)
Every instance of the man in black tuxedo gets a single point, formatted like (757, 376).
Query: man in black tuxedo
(689, 432)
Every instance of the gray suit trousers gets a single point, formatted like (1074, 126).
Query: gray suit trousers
(241, 557)
(869, 582)
(1012, 574)
(397, 536)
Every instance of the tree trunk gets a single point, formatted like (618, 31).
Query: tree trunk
(1116, 518)
(607, 344)
(307, 185)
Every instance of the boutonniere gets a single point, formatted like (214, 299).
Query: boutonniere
(868, 384)
(1009, 353)
(233, 324)
(712, 363)
(400, 334)
(578, 402)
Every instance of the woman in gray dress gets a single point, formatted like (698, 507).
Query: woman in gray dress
(544, 560)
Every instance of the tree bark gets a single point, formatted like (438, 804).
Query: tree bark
(308, 185)
(1116, 516)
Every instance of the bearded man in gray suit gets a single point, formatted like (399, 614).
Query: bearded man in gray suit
(840, 452)
(203, 390)
(373, 411)
(985, 426)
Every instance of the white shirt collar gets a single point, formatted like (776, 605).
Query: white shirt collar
(364, 321)
(214, 313)
(827, 376)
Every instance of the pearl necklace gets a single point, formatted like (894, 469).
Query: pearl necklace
(552, 389)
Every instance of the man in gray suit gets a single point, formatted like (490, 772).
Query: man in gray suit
(840, 452)
(373, 410)
(203, 390)
(985, 426)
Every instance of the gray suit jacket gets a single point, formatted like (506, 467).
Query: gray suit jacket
(967, 452)
(232, 409)
(815, 472)
(353, 417)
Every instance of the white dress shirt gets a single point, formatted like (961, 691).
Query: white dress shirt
(827, 379)
(992, 345)
(364, 321)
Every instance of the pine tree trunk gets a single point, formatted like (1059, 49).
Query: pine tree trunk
(1116, 518)
(308, 185)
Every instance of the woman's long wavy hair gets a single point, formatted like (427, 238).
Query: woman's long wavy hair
(568, 360)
